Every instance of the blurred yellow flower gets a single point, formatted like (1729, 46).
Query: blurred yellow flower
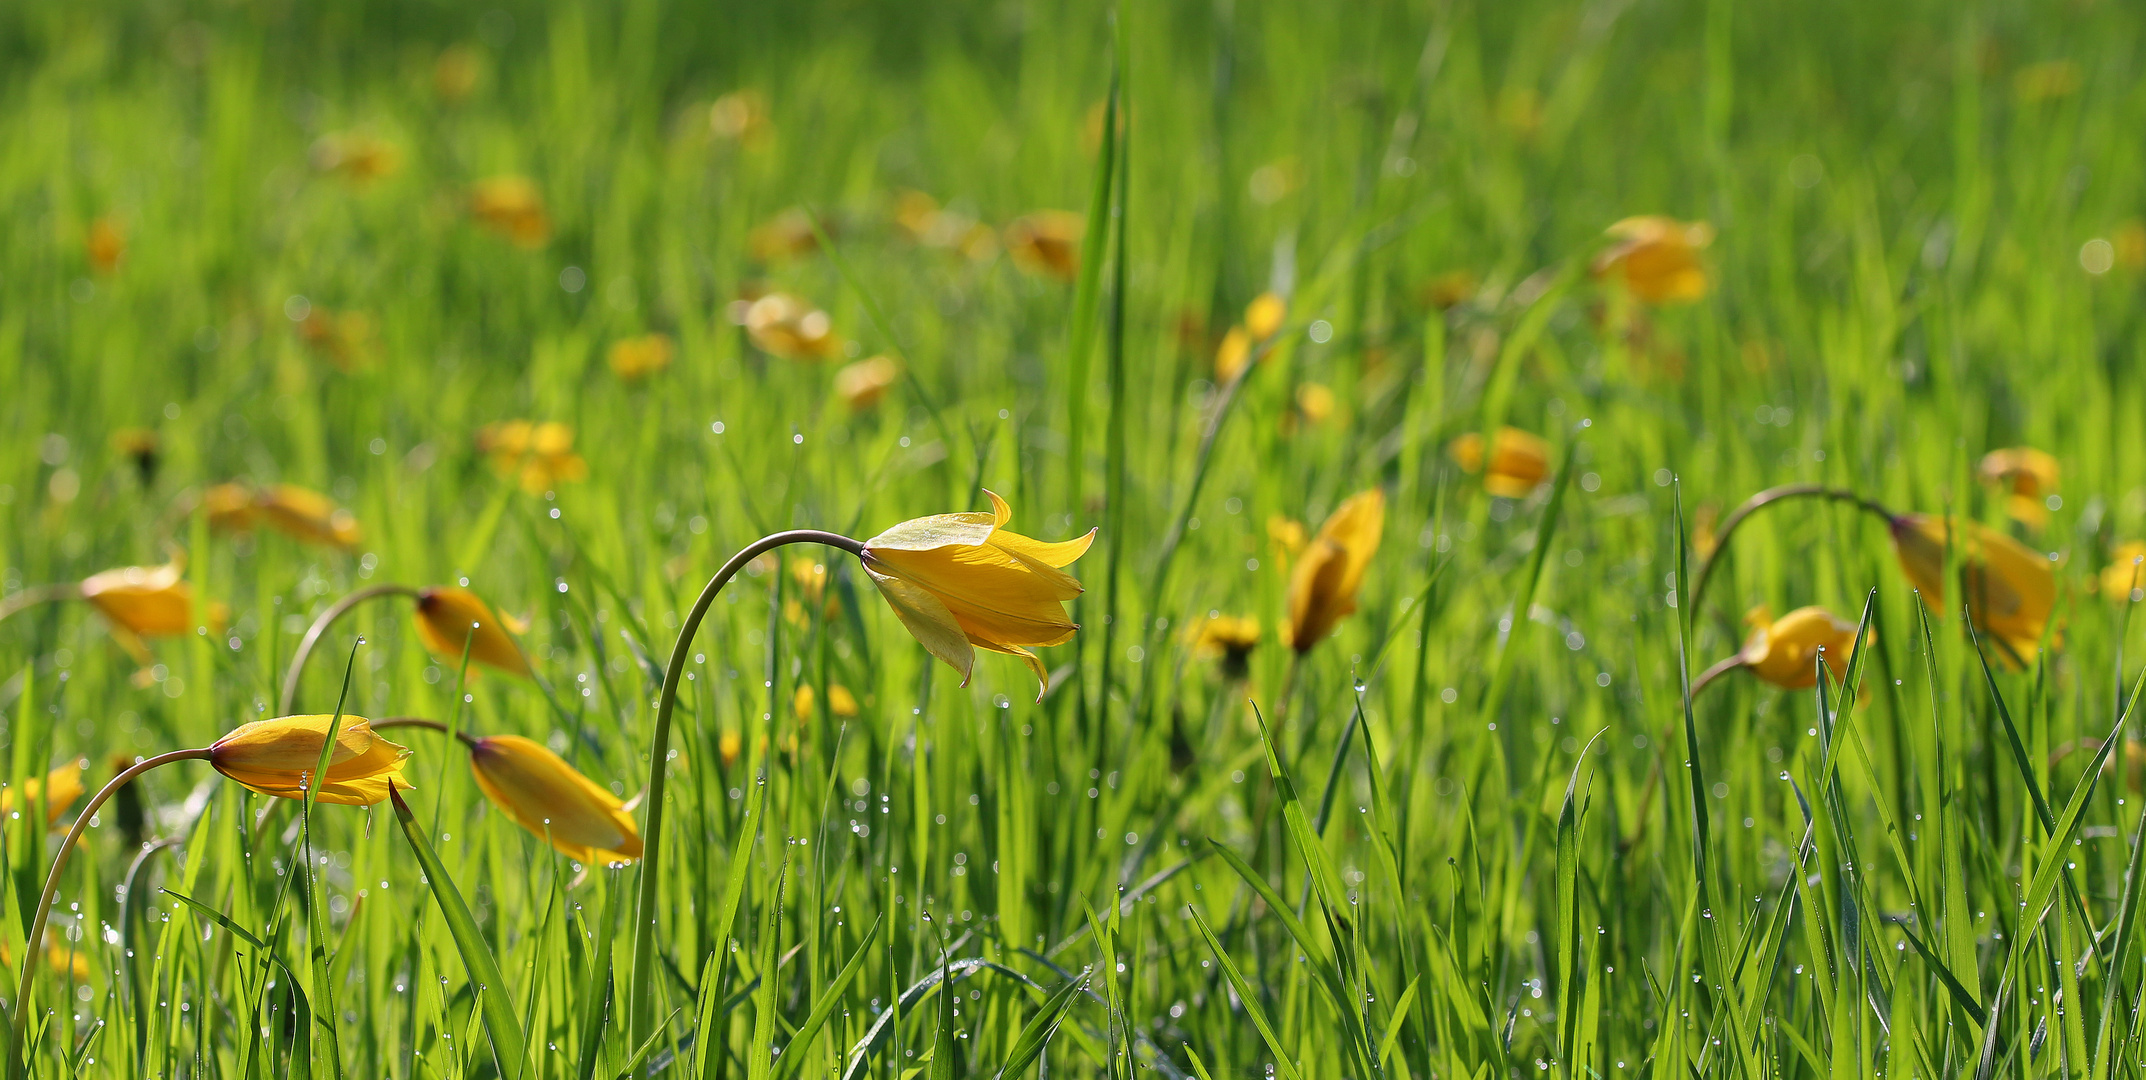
(1047, 243)
(783, 236)
(862, 384)
(548, 797)
(2046, 81)
(540, 456)
(740, 116)
(229, 506)
(1784, 651)
(2029, 477)
(511, 207)
(639, 357)
(2011, 588)
(1228, 638)
(456, 73)
(1450, 289)
(2125, 576)
(277, 757)
(1657, 258)
(922, 219)
(963, 580)
(1287, 535)
(447, 615)
(840, 701)
(141, 446)
(728, 747)
(357, 156)
(1315, 403)
(1519, 460)
(146, 601)
(2129, 240)
(1323, 584)
(106, 245)
(1262, 318)
(60, 788)
(789, 327)
(346, 339)
(306, 515)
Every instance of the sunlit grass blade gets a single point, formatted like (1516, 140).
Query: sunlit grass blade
(1036, 1033)
(1249, 998)
(509, 1048)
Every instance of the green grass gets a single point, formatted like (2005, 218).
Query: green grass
(1475, 845)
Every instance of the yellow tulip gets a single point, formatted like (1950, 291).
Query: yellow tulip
(639, 357)
(307, 515)
(840, 701)
(541, 456)
(229, 507)
(511, 207)
(791, 328)
(785, 235)
(1781, 651)
(143, 601)
(2126, 573)
(2011, 589)
(61, 787)
(959, 581)
(355, 155)
(546, 796)
(1264, 315)
(1233, 353)
(1657, 258)
(1228, 638)
(1047, 243)
(1519, 460)
(2029, 477)
(1323, 584)
(106, 245)
(862, 384)
(277, 757)
(447, 615)
(456, 72)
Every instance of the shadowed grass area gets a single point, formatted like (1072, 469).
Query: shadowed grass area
(566, 305)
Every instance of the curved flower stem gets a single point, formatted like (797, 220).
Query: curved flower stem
(39, 594)
(644, 929)
(429, 725)
(320, 627)
(1697, 684)
(52, 884)
(1766, 498)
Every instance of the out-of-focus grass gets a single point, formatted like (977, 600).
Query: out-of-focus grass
(1928, 246)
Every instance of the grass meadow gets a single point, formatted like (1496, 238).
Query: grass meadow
(568, 304)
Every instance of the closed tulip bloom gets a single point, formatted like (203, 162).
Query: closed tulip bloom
(1047, 243)
(2028, 476)
(639, 357)
(229, 506)
(447, 615)
(512, 207)
(144, 601)
(862, 384)
(307, 515)
(277, 757)
(1657, 258)
(964, 581)
(1784, 651)
(60, 788)
(789, 327)
(1323, 584)
(1228, 638)
(1519, 460)
(2011, 589)
(544, 795)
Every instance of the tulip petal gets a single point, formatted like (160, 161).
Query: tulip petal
(1035, 663)
(934, 532)
(927, 619)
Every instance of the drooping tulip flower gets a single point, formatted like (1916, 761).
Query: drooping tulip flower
(637, 358)
(2011, 588)
(277, 757)
(1229, 639)
(964, 581)
(60, 788)
(447, 615)
(512, 207)
(1519, 460)
(1657, 258)
(1783, 651)
(1324, 582)
(1047, 243)
(548, 797)
(862, 384)
(2028, 477)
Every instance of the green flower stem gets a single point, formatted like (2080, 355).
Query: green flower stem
(429, 725)
(638, 1017)
(320, 628)
(1767, 498)
(39, 594)
(32, 943)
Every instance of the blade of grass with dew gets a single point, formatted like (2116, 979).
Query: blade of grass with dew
(1248, 997)
(500, 1023)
